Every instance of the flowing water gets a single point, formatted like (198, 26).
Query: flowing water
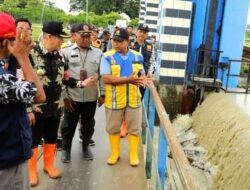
(224, 130)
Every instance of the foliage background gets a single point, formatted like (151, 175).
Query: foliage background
(104, 13)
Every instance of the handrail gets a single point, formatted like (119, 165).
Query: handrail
(182, 164)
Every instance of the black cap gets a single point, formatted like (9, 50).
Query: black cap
(106, 32)
(54, 28)
(143, 27)
(84, 29)
(121, 34)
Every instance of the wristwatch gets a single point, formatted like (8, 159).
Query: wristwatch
(79, 84)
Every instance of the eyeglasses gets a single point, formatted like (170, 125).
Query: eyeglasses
(22, 28)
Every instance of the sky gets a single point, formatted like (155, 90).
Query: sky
(62, 4)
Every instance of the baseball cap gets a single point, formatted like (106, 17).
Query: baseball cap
(54, 28)
(83, 29)
(143, 27)
(7, 26)
(121, 34)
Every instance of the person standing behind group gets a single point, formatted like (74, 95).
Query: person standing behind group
(83, 61)
(106, 43)
(145, 48)
(95, 42)
(119, 70)
(15, 93)
(132, 36)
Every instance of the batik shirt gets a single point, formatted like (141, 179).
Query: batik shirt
(49, 67)
(13, 89)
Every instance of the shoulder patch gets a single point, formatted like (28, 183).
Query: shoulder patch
(109, 53)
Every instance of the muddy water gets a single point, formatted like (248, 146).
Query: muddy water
(224, 130)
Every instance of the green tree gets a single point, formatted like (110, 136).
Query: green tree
(130, 7)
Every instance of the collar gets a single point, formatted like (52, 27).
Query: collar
(75, 46)
(44, 51)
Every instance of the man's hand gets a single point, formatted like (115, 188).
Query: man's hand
(89, 81)
(138, 81)
(21, 46)
(32, 118)
(37, 110)
(101, 100)
(68, 105)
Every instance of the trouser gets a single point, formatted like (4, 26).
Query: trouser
(46, 128)
(15, 177)
(87, 112)
(142, 90)
(132, 117)
(59, 135)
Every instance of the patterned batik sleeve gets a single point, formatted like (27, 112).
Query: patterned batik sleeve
(16, 89)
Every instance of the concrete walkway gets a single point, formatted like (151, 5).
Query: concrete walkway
(96, 174)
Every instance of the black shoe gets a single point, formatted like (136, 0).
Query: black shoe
(91, 142)
(59, 144)
(87, 154)
(65, 155)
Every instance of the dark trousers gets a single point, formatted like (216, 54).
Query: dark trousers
(142, 90)
(87, 112)
(46, 128)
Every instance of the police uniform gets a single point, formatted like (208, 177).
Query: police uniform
(84, 100)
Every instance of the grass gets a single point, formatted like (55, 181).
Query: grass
(36, 31)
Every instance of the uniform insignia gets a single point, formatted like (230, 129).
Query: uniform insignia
(117, 33)
(85, 28)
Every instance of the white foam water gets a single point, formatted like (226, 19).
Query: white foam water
(224, 131)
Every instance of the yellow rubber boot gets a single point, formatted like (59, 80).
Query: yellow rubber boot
(115, 149)
(133, 148)
(124, 129)
(32, 163)
(48, 158)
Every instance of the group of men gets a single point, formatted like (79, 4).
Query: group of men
(41, 80)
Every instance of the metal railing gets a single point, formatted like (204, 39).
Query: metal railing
(246, 86)
(167, 138)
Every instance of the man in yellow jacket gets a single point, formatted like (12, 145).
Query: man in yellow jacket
(122, 72)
